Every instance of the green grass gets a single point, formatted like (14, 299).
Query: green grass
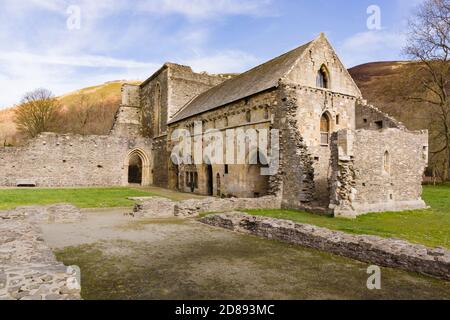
(429, 227)
(82, 197)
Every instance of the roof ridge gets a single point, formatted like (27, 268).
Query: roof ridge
(236, 79)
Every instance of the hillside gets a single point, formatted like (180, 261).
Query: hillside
(89, 110)
(386, 85)
(389, 86)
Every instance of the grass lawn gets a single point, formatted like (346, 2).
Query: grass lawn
(80, 197)
(429, 227)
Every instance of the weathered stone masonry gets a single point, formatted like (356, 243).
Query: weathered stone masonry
(371, 249)
(28, 267)
(53, 160)
(338, 154)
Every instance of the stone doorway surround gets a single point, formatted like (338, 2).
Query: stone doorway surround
(146, 166)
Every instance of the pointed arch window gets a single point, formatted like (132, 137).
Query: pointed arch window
(325, 130)
(323, 78)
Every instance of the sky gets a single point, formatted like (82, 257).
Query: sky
(65, 45)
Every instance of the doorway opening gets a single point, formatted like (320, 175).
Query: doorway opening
(137, 168)
(209, 180)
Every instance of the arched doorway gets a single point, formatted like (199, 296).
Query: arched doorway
(135, 170)
(137, 165)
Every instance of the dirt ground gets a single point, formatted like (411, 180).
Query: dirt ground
(126, 258)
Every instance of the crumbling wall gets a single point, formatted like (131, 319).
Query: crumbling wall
(160, 207)
(160, 162)
(377, 171)
(127, 121)
(53, 160)
(186, 85)
(296, 165)
(371, 118)
(28, 267)
(371, 249)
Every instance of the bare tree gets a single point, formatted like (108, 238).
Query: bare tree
(36, 112)
(428, 43)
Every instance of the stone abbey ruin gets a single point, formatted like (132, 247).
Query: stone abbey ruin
(338, 154)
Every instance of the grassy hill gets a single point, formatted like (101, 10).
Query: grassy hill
(89, 110)
(389, 86)
(386, 85)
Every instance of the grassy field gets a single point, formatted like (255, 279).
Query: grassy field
(430, 227)
(82, 198)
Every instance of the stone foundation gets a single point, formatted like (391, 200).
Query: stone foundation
(371, 249)
(28, 268)
(157, 207)
(153, 207)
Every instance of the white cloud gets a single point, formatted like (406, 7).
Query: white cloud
(74, 61)
(205, 9)
(49, 55)
(224, 62)
(370, 46)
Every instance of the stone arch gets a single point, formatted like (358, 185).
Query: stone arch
(323, 78)
(137, 158)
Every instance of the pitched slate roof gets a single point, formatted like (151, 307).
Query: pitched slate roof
(256, 80)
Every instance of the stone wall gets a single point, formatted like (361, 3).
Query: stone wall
(53, 160)
(371, 249)
(370, 118)
(228, 179)
(28, 268)
(377, 171)
(296, 176)
(321, 53)
(186, 85)
(161, 207)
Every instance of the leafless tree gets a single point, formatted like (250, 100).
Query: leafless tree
(428, 43)
(36, 112)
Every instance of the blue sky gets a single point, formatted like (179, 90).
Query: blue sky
(130, 39)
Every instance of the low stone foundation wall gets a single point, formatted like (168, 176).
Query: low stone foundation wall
(28, 267)
(154, 207)
(159, 207)
(371, 249)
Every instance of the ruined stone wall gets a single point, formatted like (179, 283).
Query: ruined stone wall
(370, 118)
(151, 117)
(305, 109)
(186, 85)
(371, 249)
(53, 160)
(378, 171)
(127, 121)
(160, 162)
(28, 268)
(242, 180)
(178, 85)
(151, 207)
